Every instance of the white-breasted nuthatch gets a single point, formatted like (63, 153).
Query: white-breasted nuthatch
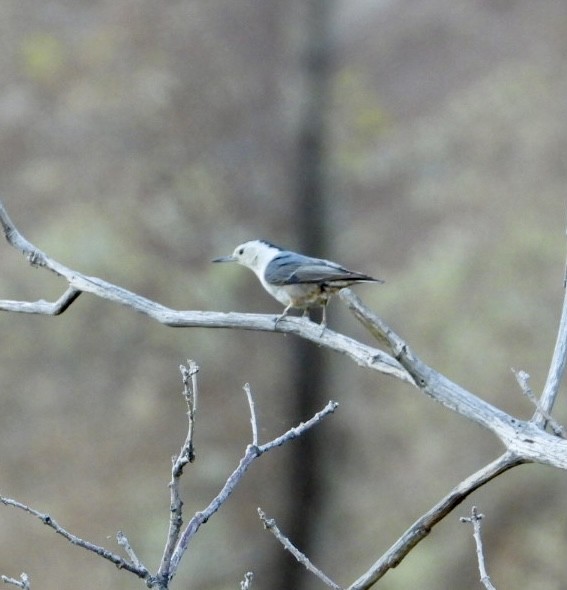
(293, 279)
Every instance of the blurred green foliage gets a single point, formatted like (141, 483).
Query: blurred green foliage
(43, 57)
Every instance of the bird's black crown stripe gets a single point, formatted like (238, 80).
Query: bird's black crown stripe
(271, 245)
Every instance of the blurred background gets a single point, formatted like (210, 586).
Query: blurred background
(420, 141)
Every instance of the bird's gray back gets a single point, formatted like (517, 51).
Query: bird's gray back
(290, 268)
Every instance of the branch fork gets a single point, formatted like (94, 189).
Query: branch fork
(524, 441)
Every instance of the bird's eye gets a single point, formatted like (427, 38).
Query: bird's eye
(241, 251)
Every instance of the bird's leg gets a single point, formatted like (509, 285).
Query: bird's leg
(283, 315)
(324, 318)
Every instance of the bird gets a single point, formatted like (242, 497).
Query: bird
(295, 280)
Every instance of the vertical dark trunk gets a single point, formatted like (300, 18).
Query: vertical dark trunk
(310, 214)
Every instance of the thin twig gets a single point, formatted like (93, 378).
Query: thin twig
(118, 561)
(523, 381)
(122, 540)
(270, 525)
(191, 395)
(246, 584)
(171, 559)
(186, 455)
(298, 431)
(252, 453)
(253, 421)
(475, 519)
(556, 368)
(23, 582)
(423, 525)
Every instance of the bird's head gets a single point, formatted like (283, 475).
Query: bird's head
(255, 254)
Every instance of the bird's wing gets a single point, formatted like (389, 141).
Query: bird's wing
(289, 268)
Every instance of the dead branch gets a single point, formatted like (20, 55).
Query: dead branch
(252, 453)
(556, 369)
(246, 584)
(363, 355)
(423, 525)
(186, 455)
(523, 379)
(23, 582)
(524, 439)
(118, 561)
(177, 539)
(475, 519)
(270, 525)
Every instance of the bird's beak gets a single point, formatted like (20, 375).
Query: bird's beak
(225, 259)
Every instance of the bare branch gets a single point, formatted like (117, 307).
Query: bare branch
(523, 381)
(423, 525)
(270, 525)
(191, 395)
(524, 441)
(298, 431)
(363, 355)
(434, 384)
(122, 540)
(42, 307)
(521, 438)
(246, 584)
(118, 561)
(556, 368)
(252, 453)
(252, 414)
(23, 582)
(186, 455)
(177, 542)
(475, 519)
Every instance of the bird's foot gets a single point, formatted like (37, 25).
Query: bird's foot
(281, 317)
